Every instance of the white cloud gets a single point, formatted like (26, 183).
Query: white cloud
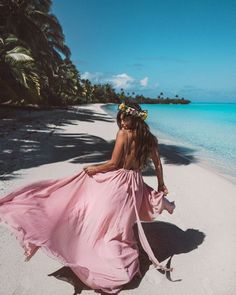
(86, 75)
(96, 77)
(122, 81)
(144, 82)
(118, 81)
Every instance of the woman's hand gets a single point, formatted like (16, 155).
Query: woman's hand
(163, 188)
(90, 170)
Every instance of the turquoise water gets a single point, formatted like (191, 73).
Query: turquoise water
(207, 128)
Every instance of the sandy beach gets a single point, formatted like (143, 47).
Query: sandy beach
(200, 235)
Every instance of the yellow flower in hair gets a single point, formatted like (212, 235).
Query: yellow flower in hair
(122, 107)
(144, 115)
(131, 111)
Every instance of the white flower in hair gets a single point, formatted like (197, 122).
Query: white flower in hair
(131, 111)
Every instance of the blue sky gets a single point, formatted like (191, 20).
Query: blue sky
(184, 47)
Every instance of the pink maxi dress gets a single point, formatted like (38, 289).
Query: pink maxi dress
(86, 222)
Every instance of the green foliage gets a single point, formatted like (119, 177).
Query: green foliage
(34, 59)
(35, 65)
(17, 69)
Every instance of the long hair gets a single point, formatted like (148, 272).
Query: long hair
(145, 141)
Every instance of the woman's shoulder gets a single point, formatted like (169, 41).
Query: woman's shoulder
(121, 133)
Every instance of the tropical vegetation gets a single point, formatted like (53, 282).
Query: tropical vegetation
(35, 64)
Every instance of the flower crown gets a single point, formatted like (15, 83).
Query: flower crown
(131, 111)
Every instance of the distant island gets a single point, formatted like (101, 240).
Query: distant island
(161, 100)
(121, 96)
(168, 101)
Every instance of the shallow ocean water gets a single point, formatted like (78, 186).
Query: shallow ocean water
(208, 129)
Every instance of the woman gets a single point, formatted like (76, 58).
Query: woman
(86, 220)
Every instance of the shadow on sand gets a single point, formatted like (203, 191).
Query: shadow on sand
(165, 239)
(28, 139)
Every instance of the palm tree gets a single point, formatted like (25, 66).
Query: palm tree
(88, 90)
(31, 22)
(110, 94)
(122, 94)
(67, 83)
(40, 32)
(17, 71)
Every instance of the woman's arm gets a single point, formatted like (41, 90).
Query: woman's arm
(115, 158)
(155, 155)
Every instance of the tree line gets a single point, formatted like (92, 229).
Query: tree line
(35, 64)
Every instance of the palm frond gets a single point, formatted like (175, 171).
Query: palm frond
(18, 57)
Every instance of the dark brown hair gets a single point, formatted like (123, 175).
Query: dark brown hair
(144, 140)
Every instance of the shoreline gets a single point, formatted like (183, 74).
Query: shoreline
(202, 160)
(205, 205)
(201, 156)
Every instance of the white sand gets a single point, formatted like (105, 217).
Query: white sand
(204, 202)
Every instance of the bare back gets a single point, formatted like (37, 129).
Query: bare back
(128, 160)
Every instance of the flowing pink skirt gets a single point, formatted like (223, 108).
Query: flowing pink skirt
(86, 223)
